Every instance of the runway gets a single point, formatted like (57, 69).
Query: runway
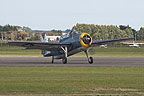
(72, 62)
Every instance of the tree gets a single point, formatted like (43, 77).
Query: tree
(103, 32)
(23, 35)
(141, 34)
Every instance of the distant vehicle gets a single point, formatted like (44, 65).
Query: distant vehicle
(134, 44)
(68, 45)
(103, 46)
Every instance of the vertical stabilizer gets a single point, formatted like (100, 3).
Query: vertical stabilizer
(43, 37)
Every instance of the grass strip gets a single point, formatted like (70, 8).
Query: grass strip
(71, 80)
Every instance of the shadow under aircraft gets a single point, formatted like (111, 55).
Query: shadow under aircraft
(70, 44)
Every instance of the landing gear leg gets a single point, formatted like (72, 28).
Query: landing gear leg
(90, 59)
(64, 59)
(52, 59)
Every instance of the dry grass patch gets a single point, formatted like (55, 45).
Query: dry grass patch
(111, 89)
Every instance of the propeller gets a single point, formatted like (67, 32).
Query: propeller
(85, 40)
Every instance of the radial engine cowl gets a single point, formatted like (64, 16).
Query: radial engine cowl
(85, 40)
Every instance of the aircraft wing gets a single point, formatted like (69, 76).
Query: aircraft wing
(101, 42)
(50, 46)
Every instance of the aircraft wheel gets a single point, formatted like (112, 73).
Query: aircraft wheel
(64, 60)
(90, 60)
(52, 59)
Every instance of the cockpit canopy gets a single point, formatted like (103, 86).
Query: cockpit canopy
(70, 33)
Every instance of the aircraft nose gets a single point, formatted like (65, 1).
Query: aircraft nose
(85, 40)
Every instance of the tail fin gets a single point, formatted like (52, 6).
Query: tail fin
(43, 37)
(45, 52)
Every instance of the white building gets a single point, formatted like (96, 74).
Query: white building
(64, 33)
(52, 38)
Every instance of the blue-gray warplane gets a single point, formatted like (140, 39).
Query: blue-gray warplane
(68, 45)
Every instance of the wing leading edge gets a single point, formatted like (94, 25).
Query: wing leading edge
(40, 45)
(100, 42)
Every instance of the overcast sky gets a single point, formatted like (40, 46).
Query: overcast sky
(63, 14)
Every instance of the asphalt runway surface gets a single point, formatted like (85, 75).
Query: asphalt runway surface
(72, 62)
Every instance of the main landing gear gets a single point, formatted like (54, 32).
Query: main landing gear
(90, 59)
(64, 59)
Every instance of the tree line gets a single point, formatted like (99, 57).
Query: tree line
(103, 32)
(98, 32)
(9, 32)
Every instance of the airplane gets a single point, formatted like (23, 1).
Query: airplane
(70, 44)
(103, 46)
(133, 44)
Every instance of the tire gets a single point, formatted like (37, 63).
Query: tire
(90, 60)
(64, 60)
(52, 59)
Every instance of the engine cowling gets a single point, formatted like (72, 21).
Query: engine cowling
(85, 40)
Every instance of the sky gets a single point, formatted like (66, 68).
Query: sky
(64, 14)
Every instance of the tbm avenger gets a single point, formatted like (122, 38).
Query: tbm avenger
(68, 45)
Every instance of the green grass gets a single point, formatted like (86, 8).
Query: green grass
(72, 80)
(115, 52)
(96, 52)
(18, 52)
